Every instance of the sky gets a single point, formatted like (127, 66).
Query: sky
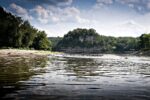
(107, 17)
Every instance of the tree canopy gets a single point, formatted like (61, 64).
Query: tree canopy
(17, 33)
(88, 39)
(79, 37)
(145, 41)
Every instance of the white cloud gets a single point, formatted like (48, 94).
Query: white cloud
(20, 11)
(128, 1)
(144, 19)
(54, 14)
(121, 28)
(65, 2)
(42, 20)
(102, 3)
(71, 11)
(51, 2)
(148, 5)
(42, 12)
(107, 22)
(138, 5)
(131, 5)
(105, 1)
(55, 19)
(128, 28)
(82, 20)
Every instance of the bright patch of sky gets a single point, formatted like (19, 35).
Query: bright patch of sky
(107, 17)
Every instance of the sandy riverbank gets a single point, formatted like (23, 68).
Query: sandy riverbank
(24, 53)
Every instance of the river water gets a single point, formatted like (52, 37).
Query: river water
(75, 77)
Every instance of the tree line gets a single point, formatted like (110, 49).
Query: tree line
(17, 33)
(89, 38)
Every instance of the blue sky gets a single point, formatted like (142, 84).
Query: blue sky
(108, 17)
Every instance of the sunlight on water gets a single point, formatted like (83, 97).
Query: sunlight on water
(76, 77)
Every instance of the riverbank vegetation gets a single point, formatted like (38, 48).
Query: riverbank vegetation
(18, 33)
(89, 41)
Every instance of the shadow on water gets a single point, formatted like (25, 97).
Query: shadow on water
(107, 77)
(13, 70)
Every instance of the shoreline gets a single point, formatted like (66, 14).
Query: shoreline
(25, 53)
(41, 53)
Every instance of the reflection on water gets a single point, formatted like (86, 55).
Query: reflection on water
(75, 77)
(13, 70)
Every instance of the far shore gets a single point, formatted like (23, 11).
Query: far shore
(25, 53)
(41, 53)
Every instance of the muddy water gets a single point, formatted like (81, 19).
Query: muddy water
(75, 77)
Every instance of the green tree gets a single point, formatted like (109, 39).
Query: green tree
(145, 41)
(41, 41)
(89, 38)
(9, 28)
(82, 38)
(16, 33)
(28, 34)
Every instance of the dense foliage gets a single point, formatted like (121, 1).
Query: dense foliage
(145, 41)
(54, 41)
(17, 33)
(79, 39)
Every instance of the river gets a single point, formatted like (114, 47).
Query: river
(75, 77)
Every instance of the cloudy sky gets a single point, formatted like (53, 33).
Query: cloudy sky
(108, 17)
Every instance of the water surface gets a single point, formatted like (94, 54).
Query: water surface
(75, 77)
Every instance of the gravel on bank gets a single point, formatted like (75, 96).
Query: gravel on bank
(24, 53)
